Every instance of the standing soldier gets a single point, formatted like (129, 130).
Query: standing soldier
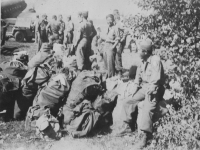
(42, 31)
(94, 32)
(82, 42)
(109, 49)
(62, 28)
(96, 42)
(149, 80)
(123, 34)
(70, 30)
(54, 28)
(36, 23)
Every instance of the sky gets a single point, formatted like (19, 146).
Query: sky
(98, 9)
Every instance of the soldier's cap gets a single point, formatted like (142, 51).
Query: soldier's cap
(44, 15)
(98, 28)
(46, 47)
(110, 16)
(145, 44)
(54, 17)
(115, 11)
(85, 14)
(68, 16)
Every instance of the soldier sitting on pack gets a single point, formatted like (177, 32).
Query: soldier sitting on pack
(150, 91)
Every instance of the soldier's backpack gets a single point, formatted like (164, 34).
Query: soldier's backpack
(87, 85)
(53, 94)
(105, 104)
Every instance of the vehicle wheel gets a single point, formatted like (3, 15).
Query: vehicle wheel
(19, 36)
(28, 39)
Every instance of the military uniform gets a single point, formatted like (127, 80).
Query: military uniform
(83, 51)
(108, 51)
(120, 46)
(151, 74)
(36, 23)
(54, 27)
(42, 29)
(61, 31)
(70, 34)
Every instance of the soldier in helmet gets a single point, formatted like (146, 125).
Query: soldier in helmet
(149, 80)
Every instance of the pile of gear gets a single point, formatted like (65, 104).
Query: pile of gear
(49, 94)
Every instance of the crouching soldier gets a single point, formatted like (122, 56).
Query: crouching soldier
(149, 81)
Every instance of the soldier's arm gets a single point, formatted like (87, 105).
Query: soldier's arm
(38, 29)
(78, 35)
(70, 27)
(137, 80)
(117, 36)
(156, 74)
(94, 32)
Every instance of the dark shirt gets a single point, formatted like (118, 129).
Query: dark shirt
(54, 27)
(85, 28)
(62, 26)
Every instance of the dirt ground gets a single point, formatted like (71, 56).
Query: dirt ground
(14, 137)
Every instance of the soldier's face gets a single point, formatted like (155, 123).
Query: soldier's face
(110, 21)
(142, 53)
(80, 18)
(60, 18)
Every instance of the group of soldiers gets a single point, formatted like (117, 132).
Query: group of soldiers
(54, 30)
(88, 39)
(149, 78)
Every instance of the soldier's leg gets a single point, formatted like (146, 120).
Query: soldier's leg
(81, 53)
(61, 38)
(110, 53)
(128, 113)
(130, 104)
(69, 38)
(72, 36)
(87, 55)
(118, 57)
(147, 113)
(39, 44)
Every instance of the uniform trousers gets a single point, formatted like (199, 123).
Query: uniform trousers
(130, 104)
(83, 54)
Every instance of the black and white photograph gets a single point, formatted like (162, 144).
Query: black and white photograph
(100, 75)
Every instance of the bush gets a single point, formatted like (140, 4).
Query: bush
(174, 29)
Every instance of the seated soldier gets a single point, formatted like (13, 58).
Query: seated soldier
(150, 90)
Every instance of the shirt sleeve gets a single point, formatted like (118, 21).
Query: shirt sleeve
(138, 76)
(117, 33)
(156, 73)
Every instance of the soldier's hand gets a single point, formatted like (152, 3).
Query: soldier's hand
(150, 91)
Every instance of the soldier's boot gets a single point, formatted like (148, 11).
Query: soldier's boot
(143, 140)
(125, 130)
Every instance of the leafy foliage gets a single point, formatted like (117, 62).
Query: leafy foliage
(174, 29)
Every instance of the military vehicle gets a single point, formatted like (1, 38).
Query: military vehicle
(24, 27)
(20, 23)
